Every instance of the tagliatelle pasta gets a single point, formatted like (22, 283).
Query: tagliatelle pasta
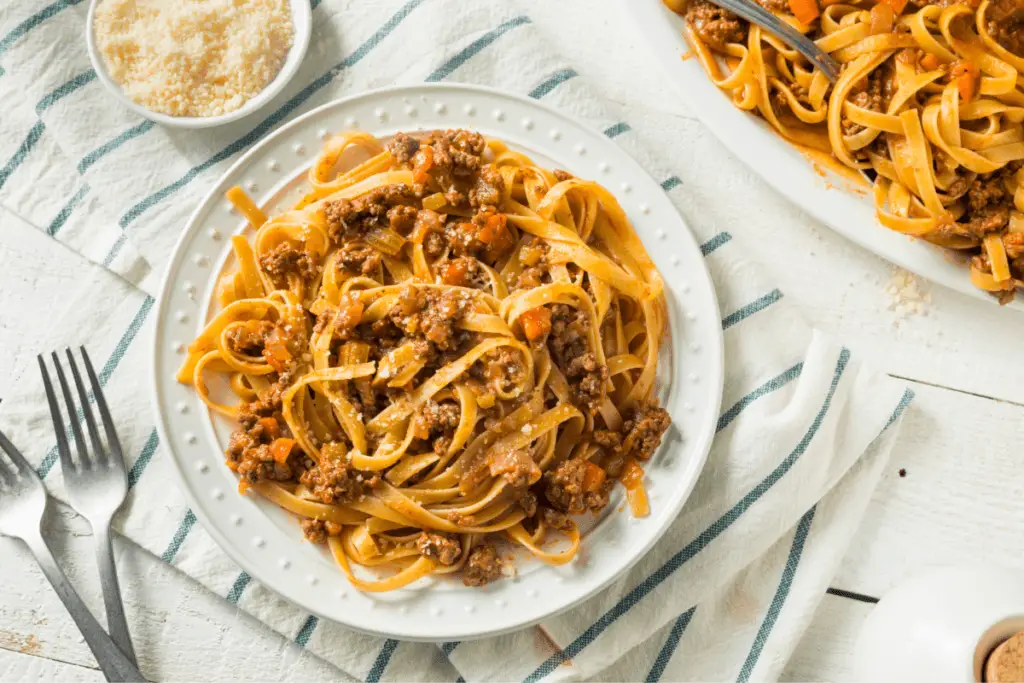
(440, 346)
(929, 102)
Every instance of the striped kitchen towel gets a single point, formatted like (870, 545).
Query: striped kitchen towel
(804, 432)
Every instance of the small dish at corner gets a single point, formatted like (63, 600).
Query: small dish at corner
(302, 20)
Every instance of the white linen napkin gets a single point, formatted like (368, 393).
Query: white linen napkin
(804, 433)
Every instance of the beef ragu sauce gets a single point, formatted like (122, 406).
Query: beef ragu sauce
(453, 209)
(933, 114)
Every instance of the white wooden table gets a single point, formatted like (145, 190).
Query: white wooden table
(959, 500)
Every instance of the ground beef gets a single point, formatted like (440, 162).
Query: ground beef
(286, 259)
(780, 102)
(487, 189)
(875, 94)
(989, 202)
(359, 257)
(532, 257)
(644, 429)
(483, 566)
(557, 520)
(466, 271)
(249, 446)
(441, 547)
(568, 345)
(333, 480)
(403, 147)
(517, 467)
(437, 422)
(500, 369)
(430, 225)
(266, 404)
(561, 175)
(563, 487)
(430, 314)
(638, 437)
(587, 381)
(715, 26)
(434, 417)
(317, 530)
(1005, 21)
(250, 338)
(460, 237)
(249, 455)
(348, 218)
(568, 338)
(528, 501)
(1014, 243)
(455, 154)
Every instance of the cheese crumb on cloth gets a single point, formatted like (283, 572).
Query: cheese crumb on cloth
(193, 57)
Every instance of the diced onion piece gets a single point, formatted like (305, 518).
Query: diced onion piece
(435, 201)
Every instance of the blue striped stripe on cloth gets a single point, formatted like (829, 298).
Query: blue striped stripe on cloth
(804, 429)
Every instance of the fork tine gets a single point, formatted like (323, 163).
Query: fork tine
(97, 443)
(58, 421)
(69, 401)
(7, 474)
(16, 457)
(101, 402)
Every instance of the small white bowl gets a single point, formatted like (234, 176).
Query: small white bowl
(302, 20)
(941, 625)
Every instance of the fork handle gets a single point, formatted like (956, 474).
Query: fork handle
(113, 663)
(112, 594)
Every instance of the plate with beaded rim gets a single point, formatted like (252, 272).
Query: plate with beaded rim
(268, 543)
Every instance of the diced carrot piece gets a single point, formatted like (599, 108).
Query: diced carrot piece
(593, 478)
(966, 75)
(456, 272)
(632, 474)
(805, 11)
(281, 448)
(493, 228)
(882, 17)
(897, 5)
(270, 427)
(536, 323)
(424, 162)
(930, 62)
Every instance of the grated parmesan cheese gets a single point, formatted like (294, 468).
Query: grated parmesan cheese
(905, 295)
(193, 57)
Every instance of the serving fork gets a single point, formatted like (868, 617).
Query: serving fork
(756, 14)
(97, 482)
(23, 502)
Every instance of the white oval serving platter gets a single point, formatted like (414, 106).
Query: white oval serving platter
(813, 188)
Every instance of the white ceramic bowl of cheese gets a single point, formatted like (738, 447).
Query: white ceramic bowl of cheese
(302, 20)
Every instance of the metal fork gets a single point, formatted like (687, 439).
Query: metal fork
(97, 483)
(756, 14)
(23, 501)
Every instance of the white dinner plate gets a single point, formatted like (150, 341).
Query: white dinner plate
(267, 542)
(813, 188)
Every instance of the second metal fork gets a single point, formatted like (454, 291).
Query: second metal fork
(97, 483)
